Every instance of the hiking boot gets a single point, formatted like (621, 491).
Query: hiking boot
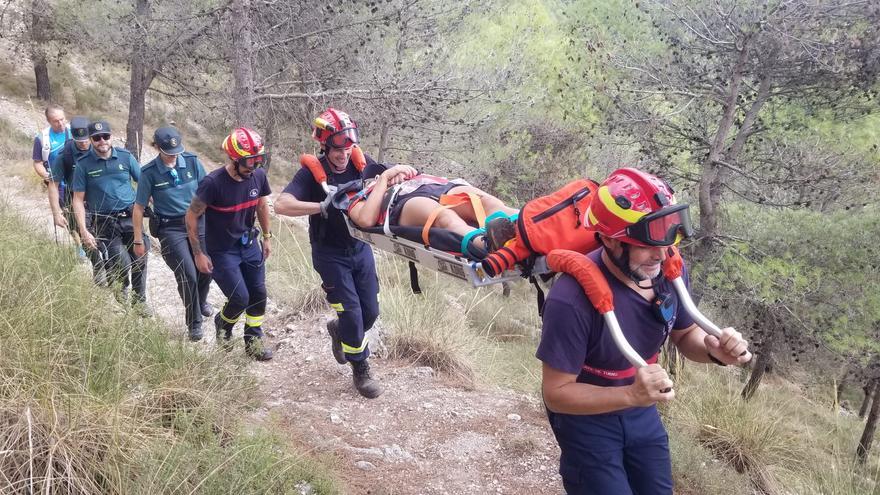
(335, 343)
(121, 295)
(206, 309)
(363, 380)
(499, 230)
(141, 308)
(224, 336)
(195, 333)
(256, 349)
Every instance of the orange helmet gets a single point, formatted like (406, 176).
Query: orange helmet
(243, 143)
(335, 128)
(638, 208)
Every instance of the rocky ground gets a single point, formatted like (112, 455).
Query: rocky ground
(424, 435)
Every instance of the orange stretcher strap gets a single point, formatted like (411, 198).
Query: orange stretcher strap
(463, 197)
(448, 201)
(430, 221)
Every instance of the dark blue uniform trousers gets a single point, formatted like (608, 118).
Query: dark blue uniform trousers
(192, 285)
(241, 275)
(349, 278)
(620, 453)
(116, 233)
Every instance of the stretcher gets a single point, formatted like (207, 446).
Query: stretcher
(392, 239)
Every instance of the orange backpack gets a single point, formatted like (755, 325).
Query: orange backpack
(550, 222)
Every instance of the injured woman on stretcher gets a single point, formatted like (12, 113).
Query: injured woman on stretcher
(446, 214)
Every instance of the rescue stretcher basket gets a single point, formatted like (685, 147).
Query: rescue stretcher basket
(454, 265)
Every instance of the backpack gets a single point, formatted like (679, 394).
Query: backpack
(554, 221)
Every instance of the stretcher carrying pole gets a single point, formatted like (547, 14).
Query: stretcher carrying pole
(598, 291)
(672, 269)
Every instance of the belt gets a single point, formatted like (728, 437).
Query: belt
(338, 250)
(171, 220)
(115, 214)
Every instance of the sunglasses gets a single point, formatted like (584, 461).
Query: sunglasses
(101, 137)
(664, 227)
(345, 138)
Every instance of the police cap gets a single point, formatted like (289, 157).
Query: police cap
(79, 128)
(168, 140)
(99, 127)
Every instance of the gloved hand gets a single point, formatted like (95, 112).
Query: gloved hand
(325, 205)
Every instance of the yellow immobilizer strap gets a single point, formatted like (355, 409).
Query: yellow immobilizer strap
(451, 201)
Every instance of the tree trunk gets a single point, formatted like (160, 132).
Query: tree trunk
(869, 396)
(141, 78)
(142, 74)
(242, 70)
(864, 447)
(39, 33)
(383, 141)
(709, 188)
(762, 364)
(674, 361)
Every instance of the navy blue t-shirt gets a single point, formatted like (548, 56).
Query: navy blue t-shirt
(331, 232)
(574, 338)
(232, 206)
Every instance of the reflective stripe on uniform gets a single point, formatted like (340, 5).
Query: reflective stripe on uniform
(355, 350)
(337, 307)
(253, 321)
(229, 320)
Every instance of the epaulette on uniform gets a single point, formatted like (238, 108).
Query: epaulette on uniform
(120, 151)
(149, 165)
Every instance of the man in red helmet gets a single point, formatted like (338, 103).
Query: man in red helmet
(345, 264)
(232, 198)
(602, 410)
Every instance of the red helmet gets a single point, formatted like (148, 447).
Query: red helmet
(336, 129)
(638, 208)
(243, 143)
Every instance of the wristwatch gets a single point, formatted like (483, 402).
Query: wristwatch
(267, 235)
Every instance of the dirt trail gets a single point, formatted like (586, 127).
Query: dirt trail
(424, 435)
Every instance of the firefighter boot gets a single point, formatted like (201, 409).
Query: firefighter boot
(335, 343)
(257, 349)
(224, 332)
(363, 381)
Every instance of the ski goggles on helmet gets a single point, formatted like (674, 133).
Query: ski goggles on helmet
(345, 138)
(664, 227)
(254, 161)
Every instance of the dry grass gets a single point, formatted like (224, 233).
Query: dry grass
(429, 329)
(290, 276)
(94, 399)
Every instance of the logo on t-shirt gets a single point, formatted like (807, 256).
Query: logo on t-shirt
(253, 193)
